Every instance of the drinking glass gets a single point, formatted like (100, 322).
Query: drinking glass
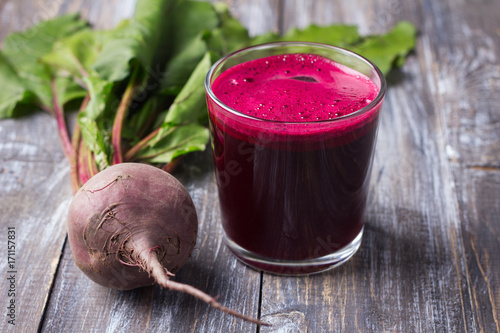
(293, 194)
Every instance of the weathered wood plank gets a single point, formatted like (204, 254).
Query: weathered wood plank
(34, 196)
(258, 16)
(465, 87)
(301, 13)
(479, 201)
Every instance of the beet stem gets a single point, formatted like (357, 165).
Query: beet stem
(84, 167)
(73, 163)
(75, 142)
(172, 165)
(121, 113)
(160, 274)
(61, 122)
(135, 149)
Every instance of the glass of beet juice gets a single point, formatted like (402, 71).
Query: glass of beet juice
(293, 130)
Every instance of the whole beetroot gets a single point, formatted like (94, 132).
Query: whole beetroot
(133, 225)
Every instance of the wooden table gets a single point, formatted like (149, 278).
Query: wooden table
(430, 258)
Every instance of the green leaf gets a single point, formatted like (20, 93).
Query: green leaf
(390, 49)
(268, 37)
(181, 131)
(68, 90)
(97, 141)
(189, 105)
(181, 65)
(191, 21)
(24, 49)
(337, 35)
(96, 120)
(146, 118)
(229, 36)
(73, 56)
(27, 47)
(140, 39)
(76, 54)
(100, 92)
(13, 90)
(181, 140)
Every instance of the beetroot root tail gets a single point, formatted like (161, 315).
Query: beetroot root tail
(161, 275)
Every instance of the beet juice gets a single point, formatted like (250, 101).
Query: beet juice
(292, 156)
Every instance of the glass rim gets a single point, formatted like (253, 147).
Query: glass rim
(370, 106)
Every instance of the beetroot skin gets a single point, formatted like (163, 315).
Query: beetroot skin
(134, 225)
(123, 216)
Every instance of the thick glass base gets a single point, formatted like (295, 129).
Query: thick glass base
(299, 267)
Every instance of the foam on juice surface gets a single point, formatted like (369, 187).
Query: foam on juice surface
(294, 88)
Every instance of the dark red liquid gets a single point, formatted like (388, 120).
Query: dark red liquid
(292, 191)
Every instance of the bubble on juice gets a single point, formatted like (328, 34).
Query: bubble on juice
(304, 78)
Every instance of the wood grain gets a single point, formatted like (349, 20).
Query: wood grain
(466, 81)
(34, 198)
(258, 16)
